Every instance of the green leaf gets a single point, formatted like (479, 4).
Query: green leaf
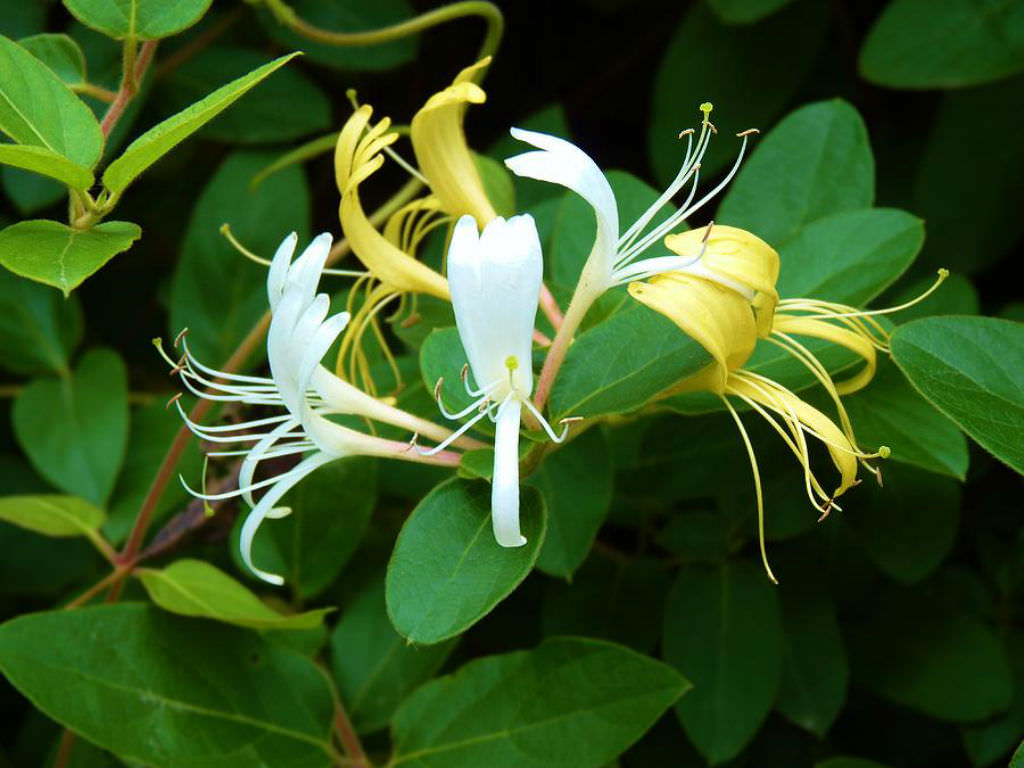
(346, 16)
(375, 668)
(848, 762)
(138, 19)
(60, 53)
(723, 632)
(1018, 757)
(163, 137)
(745, 11)
(969, 368)
(576, 482)
(58, 516)
(911, 545)
(620, 364)
(815, 162)
(167, 691)
(37, 109)
(30, 192)
(46, 162)
(74, 429)
(38, 329)
(196, 588)
(216, 293)
(988, 742)
(931, 657)
(749, 73)
(447, 571)
(814, 669)
(497, 184)
(613, 599)
(891, 412)
(288, 106)
(331, 510)
(570, 703)
(993, 177)
(916, 44)
(55, 254)
(442, 357)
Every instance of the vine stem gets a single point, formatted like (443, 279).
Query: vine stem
(487, 11)
(349, 738)
(578, 306)
(135, 70)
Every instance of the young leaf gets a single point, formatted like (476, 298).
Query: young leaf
(60, 53)
(918, 44)
(46, 162)
(38, 328)
(161, 138)
(447, 571)
(576, 482)
(168, 691)
(138, 19)
(74, 429)
(969, 368)
(50, 515)
(723, 631)
(374, 666)
(37, 109)
(570, 703)
(815, 162)
(55, 254)
(196, 588)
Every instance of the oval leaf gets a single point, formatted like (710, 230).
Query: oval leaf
(46, 162)
(970, 369)
(52, 515)
(570, 703)
(38, 328)
(138, 19)
(447, 572)
(55, 254)
(196, 588)
(167, 691)
(60, 53)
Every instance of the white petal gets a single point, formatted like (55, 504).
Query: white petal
(304, 275)
(505, 485)
(278, 272)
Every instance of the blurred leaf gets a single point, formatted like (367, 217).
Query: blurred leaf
(374, 666)
(723, 632)
(971, 231)
(60, 53)
(38, 329)
(609, 598)
(576, 482)
(749, 73)
(570, 703)
(957, 296)
(497, 183)
(47, 163)
(217, 294)
(59, 516)
(345, 16)
(196, 588)
(22, 18)
(528, 192)
(969, 368)
(848, 762)
(163, 137)
(992, 741)
(745, 11)
(918, 44)
(815, 162)
(814, 669)
(700, 536)
(30, 192)
(1018, 757)
(55, 254)
(74, 429)
(330, 512)
(138, 19)
(37, 109)
(623, 362)
(214, 695)
(300, 154)
(891, 412)
(926, 655)
(447, 571)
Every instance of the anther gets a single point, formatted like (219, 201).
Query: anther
(412, 442)
(707, 232)
(410, 321)
(570, 420)
(173, 400)
(181, 335)
(687, 132)
(437, 389)
(464, 373)
(748, 132)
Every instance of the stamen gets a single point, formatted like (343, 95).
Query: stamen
(546, 426)
(452, 437)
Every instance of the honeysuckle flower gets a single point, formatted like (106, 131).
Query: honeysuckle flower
(725, 299)
(495, 279)
(299, 336)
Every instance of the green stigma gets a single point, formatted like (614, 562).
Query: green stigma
(512, 362)
(706, 108)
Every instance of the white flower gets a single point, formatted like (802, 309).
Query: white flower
(495, 283)
(299, 336)
(612, 259)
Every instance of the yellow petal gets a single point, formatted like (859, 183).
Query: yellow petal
(737, 256)
(356, 157)
(822, 329)
(717, 318)
(443, 156)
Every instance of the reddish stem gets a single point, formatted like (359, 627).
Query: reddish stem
(349, 738)
(550, 308)
(130, 81)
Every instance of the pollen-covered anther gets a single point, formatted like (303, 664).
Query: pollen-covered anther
(173, 400)
(181, 335)
(688, 132)
(437, 389)
(748, 132)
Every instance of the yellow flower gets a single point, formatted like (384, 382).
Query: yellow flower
(726, 300)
